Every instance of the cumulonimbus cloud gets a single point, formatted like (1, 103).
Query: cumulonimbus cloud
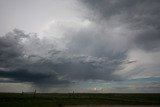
(23, 59)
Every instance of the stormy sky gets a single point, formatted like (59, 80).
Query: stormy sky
(80, 45)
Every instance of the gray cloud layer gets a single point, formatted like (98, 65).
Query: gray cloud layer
(140, 16)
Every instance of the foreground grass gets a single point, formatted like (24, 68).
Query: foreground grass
(60, 99)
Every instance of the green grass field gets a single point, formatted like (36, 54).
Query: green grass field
(60, 100)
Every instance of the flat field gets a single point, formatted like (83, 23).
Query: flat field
(78, 100)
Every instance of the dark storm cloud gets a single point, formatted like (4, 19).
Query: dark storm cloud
(87, 70)
(10, 49)
(108, 8)
(141, 17)
(149, 39)
(52, 66)
(14, 65)
(24, 76)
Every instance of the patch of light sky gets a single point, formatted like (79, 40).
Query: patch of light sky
(37, 15)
